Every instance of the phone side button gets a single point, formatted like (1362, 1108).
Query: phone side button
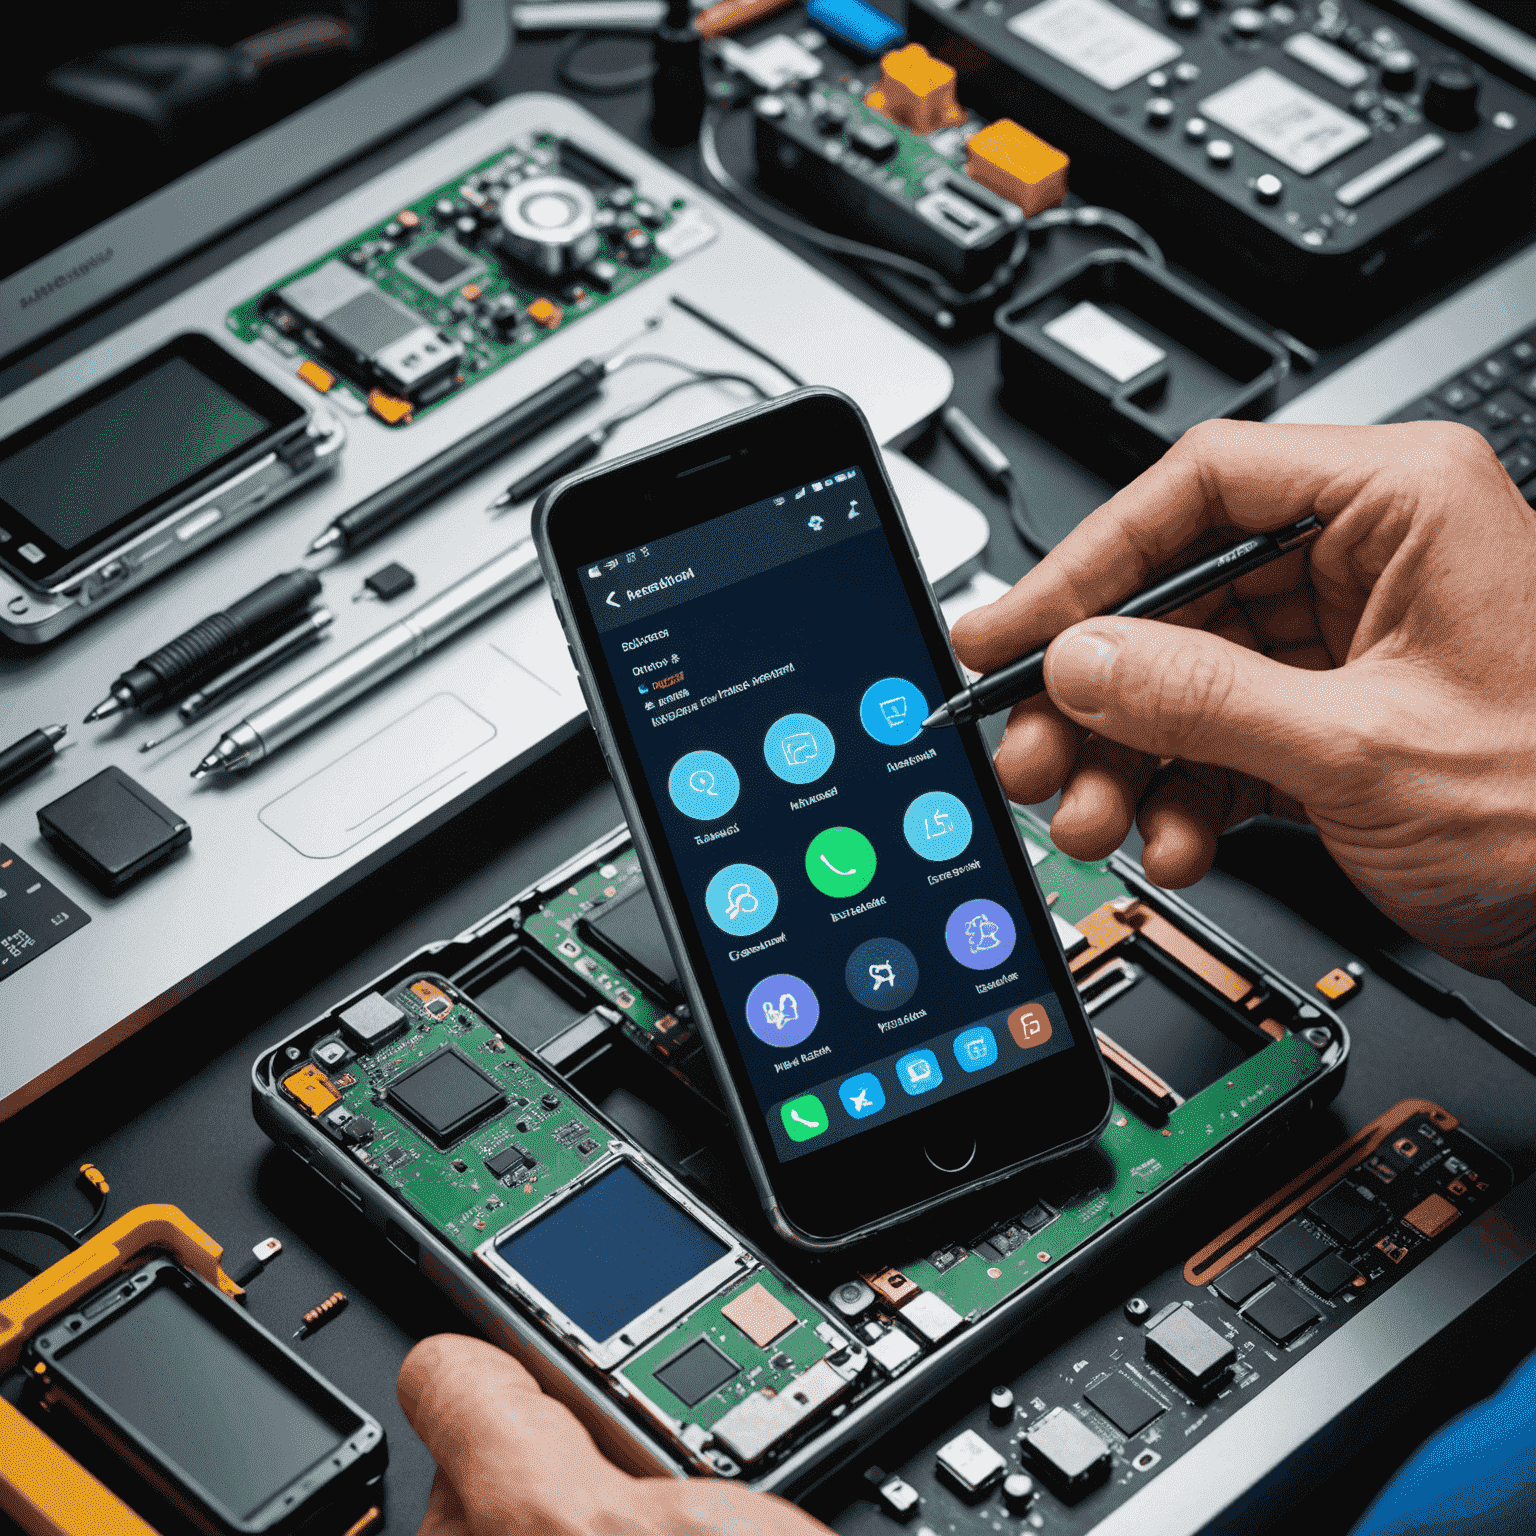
(952, 1155)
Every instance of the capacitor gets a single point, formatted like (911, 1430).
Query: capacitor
(319, 1316)
(1184, 13)
(550, 224)
(1268, 188)
(1399, 69)
(1000, 1407)
(1018, 1490)
(1220, 153)
(1246, 22)
(1159, 111)
(1194, 129)
(1136, 1310)
(1450, 97)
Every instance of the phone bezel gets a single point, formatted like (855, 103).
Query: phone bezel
(282, 413)
(99, 1309)
(823, 1198)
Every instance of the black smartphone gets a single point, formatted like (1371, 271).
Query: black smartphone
(854, 917)
(221, 1421)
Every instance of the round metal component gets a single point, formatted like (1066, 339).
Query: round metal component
(550, 224)
(770, 106)
(1000, 1407)
(1399, 69)
(1159, 111)
(1194, 129)
(1018, 1490)
(1158, 80)
(1268, 187)
(1317, 1037)
(1185, 13)
(1185, 72)
(1220, 153)
(1506, 121)
(1450, 97)
(1137, 1310)
(1246, 22)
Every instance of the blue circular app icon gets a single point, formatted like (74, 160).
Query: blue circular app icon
(782, 1010)
(799, 748)
(980, 934)
(893, 711)
(881, 974)
(937, 826)
(741, 899)
(703, 785)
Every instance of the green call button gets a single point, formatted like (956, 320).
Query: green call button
(804, 1117)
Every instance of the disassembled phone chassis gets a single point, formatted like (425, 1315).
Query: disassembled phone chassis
(466, 1148)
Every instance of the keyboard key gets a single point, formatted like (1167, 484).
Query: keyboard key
(1492, 416)
(1522, 413)
(1520, 461)
(1488, 375)
(1527, 385)
(1523, 353)
(1462, 397)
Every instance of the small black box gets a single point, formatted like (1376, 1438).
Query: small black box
(112, 829)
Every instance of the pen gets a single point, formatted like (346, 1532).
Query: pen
(308, 631)
(1025, 677)
(210, 644)
(366, 666)
(387, 508)
(29, 754)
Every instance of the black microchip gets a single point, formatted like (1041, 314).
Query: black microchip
(1124, 1404)
(389, 581)
(513, 1155)
(1330, 1276)
(398, 1157)
(696, 1371)
(439, 263)
(586, 1147)
(1190, 1348)
(446, 1094)
(628, 932)
(1345, 1213)
(1293, 1247)
(112, 829)
(1282, 1314)
(1242, 1280)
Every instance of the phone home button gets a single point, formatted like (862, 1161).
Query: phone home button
(951, 1154)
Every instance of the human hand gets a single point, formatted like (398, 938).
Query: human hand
(1380, 683)
(513, 1462)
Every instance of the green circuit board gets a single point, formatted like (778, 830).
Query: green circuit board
(484, 307)
(466, 1203)
(917, 155)
(553, 925)
(771, 1366)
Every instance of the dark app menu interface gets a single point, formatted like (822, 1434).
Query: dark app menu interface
(855, 906)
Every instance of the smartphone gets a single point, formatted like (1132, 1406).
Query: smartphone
(203, 1408)
(854, 917)
(137, 474)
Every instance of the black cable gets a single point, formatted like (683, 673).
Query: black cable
(699, 376)
(1106, 218)
(994, 466)
(20, 1221)
(722, 329)
(616, 83)
(839, 245)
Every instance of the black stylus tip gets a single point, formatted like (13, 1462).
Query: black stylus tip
(939, 718)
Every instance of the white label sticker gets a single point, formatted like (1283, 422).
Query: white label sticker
(1100, 339)
(1096, 38)
(1276, 115)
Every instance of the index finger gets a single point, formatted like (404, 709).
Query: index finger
(496, 1435)
(1242, 475)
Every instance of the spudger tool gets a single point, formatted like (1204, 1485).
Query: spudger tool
(533, 414)
(1024, 678)
(211, 644)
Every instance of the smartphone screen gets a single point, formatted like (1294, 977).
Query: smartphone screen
(848, 884)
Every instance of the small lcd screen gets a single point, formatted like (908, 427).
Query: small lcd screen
(123, 453)
(228, 1426)
(612, 1252)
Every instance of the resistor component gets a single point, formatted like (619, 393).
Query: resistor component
(916, 90)
(317, 1317)
(95, 1178)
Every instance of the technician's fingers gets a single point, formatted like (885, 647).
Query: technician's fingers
(510, 1451)
(1173, 692)
(445, 1513)
(1235, 474)
(1037, 752)
(1181, 816)
(1098, 803)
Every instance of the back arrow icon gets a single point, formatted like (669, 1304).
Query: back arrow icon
(611, 602)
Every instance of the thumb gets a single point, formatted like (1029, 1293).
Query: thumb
(1173, 691)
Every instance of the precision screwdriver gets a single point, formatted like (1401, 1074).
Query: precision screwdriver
(211, 644)
(29, 754)
(533, 414)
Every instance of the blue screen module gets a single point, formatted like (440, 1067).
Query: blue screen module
(856, 23)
